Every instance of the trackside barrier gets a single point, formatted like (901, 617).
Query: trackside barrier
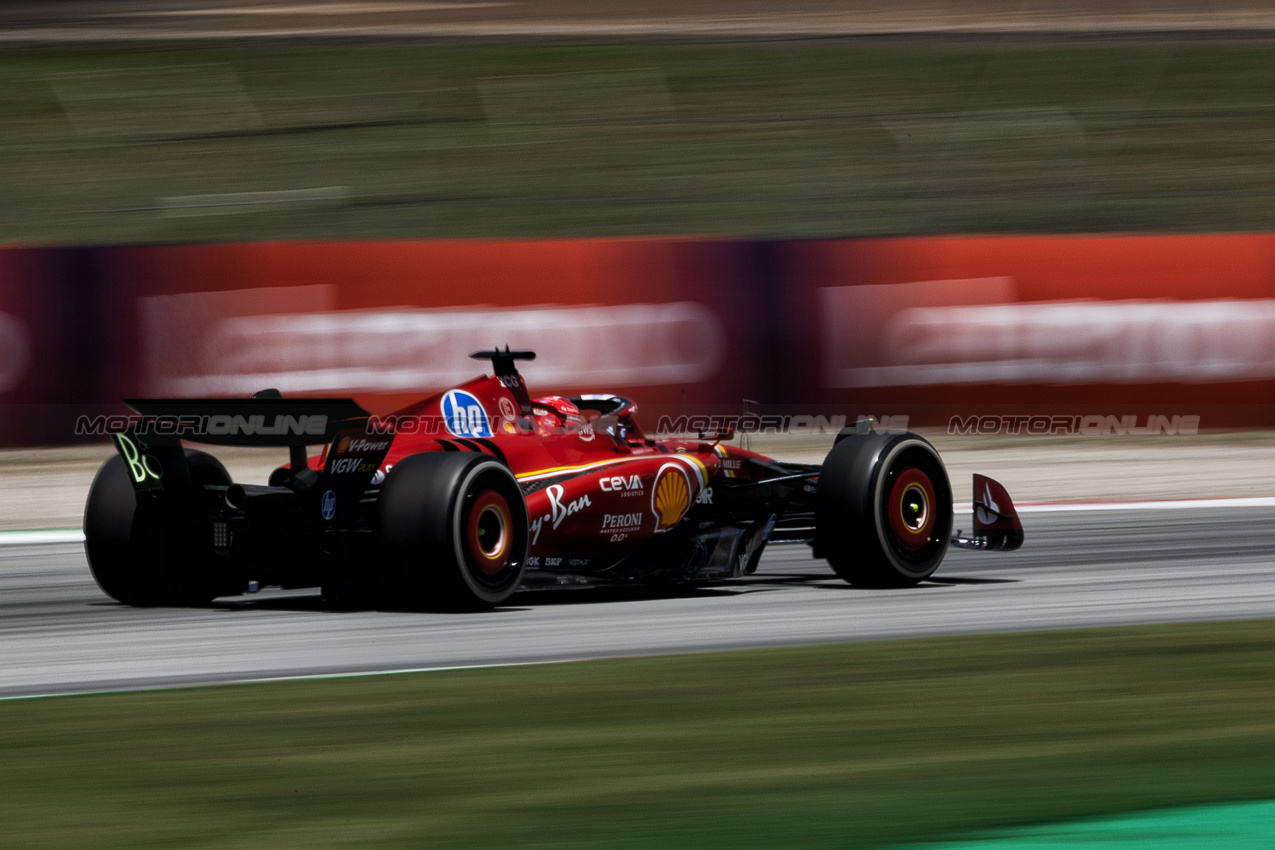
(973, 333)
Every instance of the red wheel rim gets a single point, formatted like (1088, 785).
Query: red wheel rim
(911, 509)
(488, 537)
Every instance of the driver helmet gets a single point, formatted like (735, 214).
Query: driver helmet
(554, 411)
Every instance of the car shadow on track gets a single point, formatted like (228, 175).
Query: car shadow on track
(971, 580)
(760, 582)
(311, 602)
(522, 601)
(826, 582)
(620, 593)
(593, 595)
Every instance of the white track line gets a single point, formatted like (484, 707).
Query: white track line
(312, 677)
(1156, 505)
(75, 535)
(41, 536)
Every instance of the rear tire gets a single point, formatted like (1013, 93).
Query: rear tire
(884, 509)
(131, 551)
(454, 531)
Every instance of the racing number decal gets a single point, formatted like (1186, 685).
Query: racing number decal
(142, 468)
(464, 415)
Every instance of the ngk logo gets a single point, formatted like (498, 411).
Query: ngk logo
(618, 483)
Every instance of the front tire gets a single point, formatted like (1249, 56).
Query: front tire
(454, 531)
(884, 509)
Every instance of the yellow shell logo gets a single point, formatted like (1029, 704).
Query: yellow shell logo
(672, 497)
(344, 446)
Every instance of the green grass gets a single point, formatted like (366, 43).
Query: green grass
(799, 139)
(852, 745)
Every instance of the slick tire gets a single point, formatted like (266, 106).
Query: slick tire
(131, 551)
(883, 513)
(453, 530)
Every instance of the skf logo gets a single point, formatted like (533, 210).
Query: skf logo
(671, 497)
(618, 483)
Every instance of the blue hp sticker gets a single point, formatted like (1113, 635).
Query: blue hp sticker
(464, 415)
(329, 505)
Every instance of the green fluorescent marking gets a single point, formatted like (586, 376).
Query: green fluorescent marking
(140, 465)
(1233, 826)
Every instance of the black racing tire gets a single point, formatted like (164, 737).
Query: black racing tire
(453, 530)
(130, 551)
(883, 514)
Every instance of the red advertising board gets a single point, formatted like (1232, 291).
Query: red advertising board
(55, 352)
(927, 328)
(387, 321)
(1068, 325)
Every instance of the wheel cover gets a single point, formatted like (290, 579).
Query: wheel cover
(489, 533)
(910, 509)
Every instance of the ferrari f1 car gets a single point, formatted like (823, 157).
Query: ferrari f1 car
(461, 499)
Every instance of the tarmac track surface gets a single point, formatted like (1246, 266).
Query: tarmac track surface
(60, 634)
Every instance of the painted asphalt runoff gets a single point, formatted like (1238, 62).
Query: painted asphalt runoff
(60, 634)
(1234, 826)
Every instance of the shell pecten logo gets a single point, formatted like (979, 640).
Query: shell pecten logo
(671, 496)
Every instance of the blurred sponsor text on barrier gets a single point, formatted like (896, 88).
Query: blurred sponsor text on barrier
(1089, 330)
(406, 349)
(1066, 342)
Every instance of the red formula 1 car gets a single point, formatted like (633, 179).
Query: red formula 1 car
(461, 499)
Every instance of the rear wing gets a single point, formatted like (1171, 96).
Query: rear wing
(151, 446)
(258, 421)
